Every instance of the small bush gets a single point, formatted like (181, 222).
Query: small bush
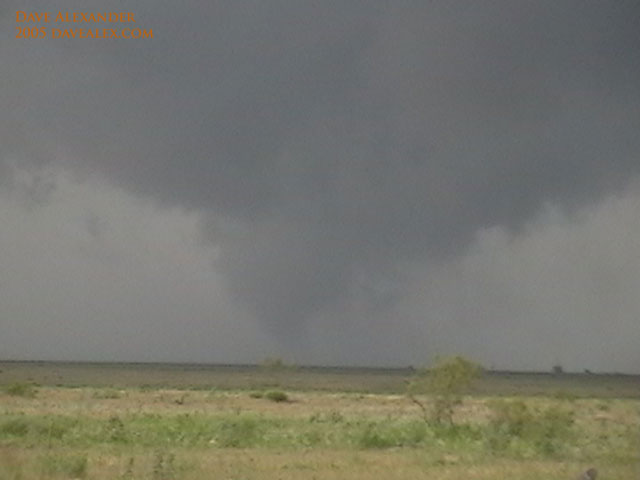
(25, 390)
(445, 382)
(276, 396)
(256, 394)
(107, 394)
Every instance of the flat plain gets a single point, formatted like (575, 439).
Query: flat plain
(143, 421)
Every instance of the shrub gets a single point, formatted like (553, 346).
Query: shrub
(276, 396)
(446, 381)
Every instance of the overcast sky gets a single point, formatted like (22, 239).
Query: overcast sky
(332, 182)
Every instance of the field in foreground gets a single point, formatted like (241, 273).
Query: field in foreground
(122, 431)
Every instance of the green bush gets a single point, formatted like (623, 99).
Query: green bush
(445, 382)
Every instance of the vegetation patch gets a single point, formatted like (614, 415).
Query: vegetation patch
(514, 426)
(26, 390)
(276, 396)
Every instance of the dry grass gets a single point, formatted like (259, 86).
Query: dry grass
(261, 464)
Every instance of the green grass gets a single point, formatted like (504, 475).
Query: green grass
(518, 433)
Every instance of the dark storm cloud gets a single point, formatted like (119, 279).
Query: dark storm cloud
(329, 143)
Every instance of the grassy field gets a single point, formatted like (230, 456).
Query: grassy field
(195, 422)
